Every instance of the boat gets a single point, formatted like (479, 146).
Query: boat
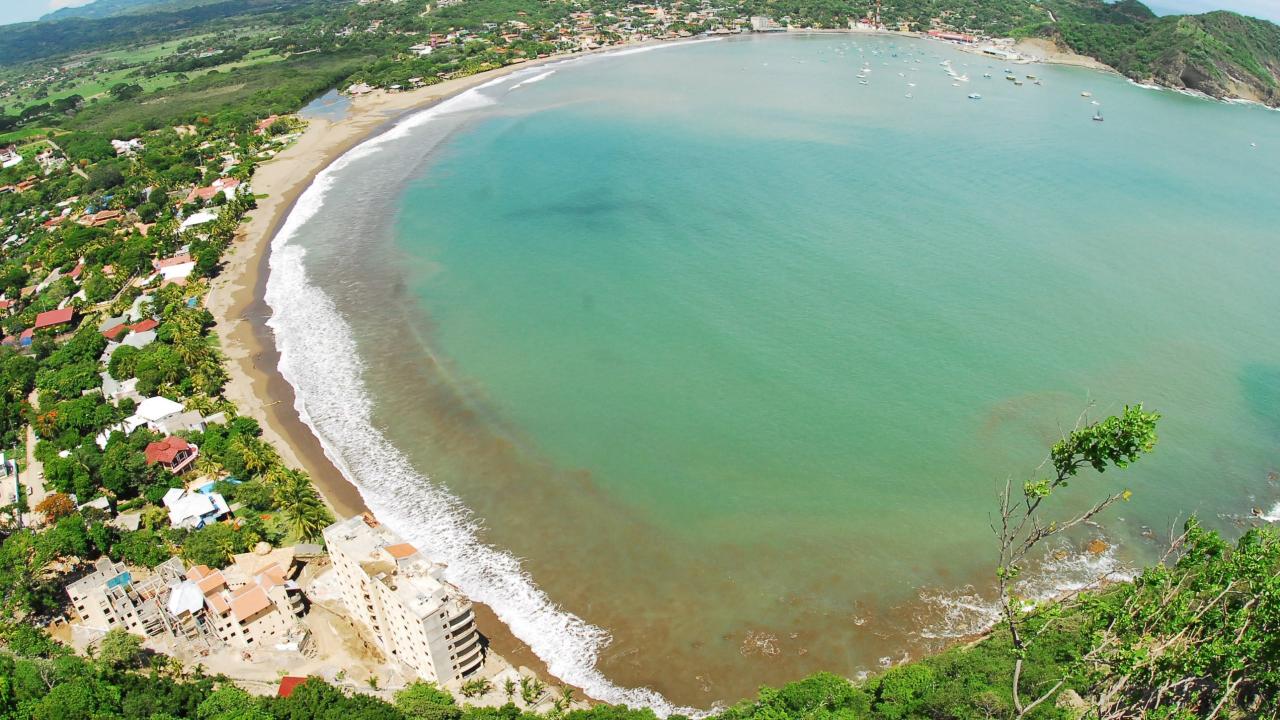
(1019, 83)
(908, 96)
(1010, 78)
(1095, 102)
(1039, 83)
(975, 96)
(1031, 77)
(1086, 93)
(986, 75)
(1097, 115)
(863, 82)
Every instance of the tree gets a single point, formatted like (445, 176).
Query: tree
(125, 91)
(304, 512)
(211, 545)
(54, 507)
(1114, 442)
(425, 701)
(230, 703)
(120, 649)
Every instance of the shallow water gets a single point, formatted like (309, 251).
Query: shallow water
(733, 352)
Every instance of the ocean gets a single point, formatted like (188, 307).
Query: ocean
(702, 365)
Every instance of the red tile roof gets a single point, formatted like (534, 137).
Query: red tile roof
(287, 684)
(145, 325)
(165, 450)
(50, 318)
(116, 332)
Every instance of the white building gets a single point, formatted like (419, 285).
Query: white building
(400, 595)
(193, 510)
(9, 157)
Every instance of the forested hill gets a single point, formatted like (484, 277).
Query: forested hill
(112, 8)
(1222, 54)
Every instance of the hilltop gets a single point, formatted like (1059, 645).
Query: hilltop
(113, 8)
(1221, 54)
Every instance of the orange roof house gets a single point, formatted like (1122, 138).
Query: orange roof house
(51, 318)
(173, 453)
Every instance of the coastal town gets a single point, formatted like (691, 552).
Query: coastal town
(145, 503)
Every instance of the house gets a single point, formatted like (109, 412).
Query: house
(265, 124)
(100, 218)
(159, 414)
(127, 147)
(194, 510)
(9, 157)
(114, 390)
(175, 269)
(54, 318)
(953, 37)
(199, 218)
(413, 614)
(173, 453)
(421, 50)
(227, 186)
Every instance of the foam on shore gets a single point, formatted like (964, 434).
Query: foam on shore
(966, 613)
(319, 358)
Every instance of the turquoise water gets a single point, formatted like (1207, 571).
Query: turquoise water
(733, 352)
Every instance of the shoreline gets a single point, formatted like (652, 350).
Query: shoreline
(240, 312)
(236, 297)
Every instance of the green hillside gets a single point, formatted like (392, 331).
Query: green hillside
(1221, 54)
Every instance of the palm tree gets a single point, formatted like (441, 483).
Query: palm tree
(509, 687)
(257, 455)
(305, 514)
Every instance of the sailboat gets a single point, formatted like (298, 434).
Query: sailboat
(1097, 115)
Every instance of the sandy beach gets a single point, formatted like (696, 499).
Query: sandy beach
(235, 300)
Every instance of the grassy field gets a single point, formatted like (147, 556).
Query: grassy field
(99, 84)
(22, 135)
(259, 86)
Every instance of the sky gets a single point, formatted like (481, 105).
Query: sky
(12, 11)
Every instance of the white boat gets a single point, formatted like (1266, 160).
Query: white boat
(908, 96)
(1086, 93)
(975, 96)
(986, 75)
(1097, 116)
(863, 82)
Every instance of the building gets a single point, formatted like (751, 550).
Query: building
(54, 318)
(193, 510)
(173, 454)
(415, 616)
(111, 597)
(250, 603)
(227, 186)
(760, 23)
(9, 157)
(247, 605)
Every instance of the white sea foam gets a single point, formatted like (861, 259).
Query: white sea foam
(659, 46)
(318, 357)
(965, 612)
(536, 78)
(1272, 515)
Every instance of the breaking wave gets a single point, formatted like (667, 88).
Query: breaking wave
(966, 613)
(536, 78)
(318, 357)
